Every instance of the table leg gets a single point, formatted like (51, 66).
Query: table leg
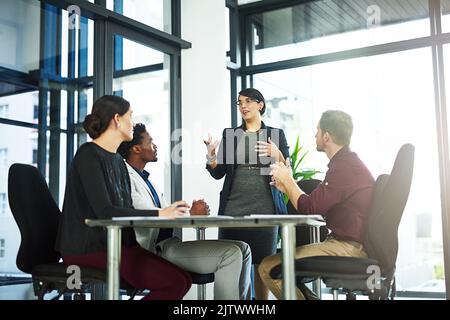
(114, 235)
(317, 284)
(288, 256)
(200, 233)
(201, 288)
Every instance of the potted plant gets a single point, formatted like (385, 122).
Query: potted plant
(304, 177)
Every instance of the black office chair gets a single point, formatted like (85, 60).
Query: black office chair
(381, 241)
(201, 280)
(37, 216)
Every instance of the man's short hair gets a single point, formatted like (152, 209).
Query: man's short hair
(338, 124)
(125, 147)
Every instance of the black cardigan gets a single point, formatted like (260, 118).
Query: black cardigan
(222, 169)
(98, 187)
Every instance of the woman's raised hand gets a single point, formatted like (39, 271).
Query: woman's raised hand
(211, 146)
(268, 149)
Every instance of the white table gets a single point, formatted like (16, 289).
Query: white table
(286, 222)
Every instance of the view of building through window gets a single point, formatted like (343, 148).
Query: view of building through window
(391, 100)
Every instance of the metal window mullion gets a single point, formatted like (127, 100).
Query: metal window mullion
(235, 56)
(175, 124)
(55, 142)
(338, 56)
(55, 105)
(176, 17)
(118, 41)
(83, 57)
(103, 57)
(46, 69)
(71, 89)
(234, 93)
(442, 132)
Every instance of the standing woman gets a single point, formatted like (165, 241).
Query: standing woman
(98, 187)
(244, 156)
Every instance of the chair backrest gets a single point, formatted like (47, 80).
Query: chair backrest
(309, 185)
(390, 197)
(36, 215)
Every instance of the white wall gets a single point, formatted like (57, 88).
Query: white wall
(206, 100)
(205, 94)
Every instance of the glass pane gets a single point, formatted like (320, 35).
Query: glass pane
(334, 25)
(155, 13)
(84, 45)
(134, 55)
(19, 56)
(20, 32)
(21, 107)
(388, 101)
(227, 31)
(19, 36)
(149, 96)
(447, 89)
(445, 5)
(10, 138)
(83, 106)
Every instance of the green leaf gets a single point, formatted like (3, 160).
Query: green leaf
(285, 198)
(297, 175)
(295, 152)
(300, 161)
(296, 159)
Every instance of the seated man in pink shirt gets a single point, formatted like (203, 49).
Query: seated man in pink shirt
(343, 198)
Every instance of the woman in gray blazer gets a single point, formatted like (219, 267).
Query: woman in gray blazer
(244, 157)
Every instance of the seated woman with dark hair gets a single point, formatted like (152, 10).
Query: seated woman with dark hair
(98, 187)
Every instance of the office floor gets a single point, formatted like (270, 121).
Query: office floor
(25, 292)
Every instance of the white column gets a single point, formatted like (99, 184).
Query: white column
(205, 100)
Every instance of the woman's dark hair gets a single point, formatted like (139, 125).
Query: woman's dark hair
(103, 110)
(255, 95)
(125, 146)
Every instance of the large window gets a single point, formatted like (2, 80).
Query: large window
(390, 104)
(319, 27)
(155, 13)
(143, 79)
(49, 78)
